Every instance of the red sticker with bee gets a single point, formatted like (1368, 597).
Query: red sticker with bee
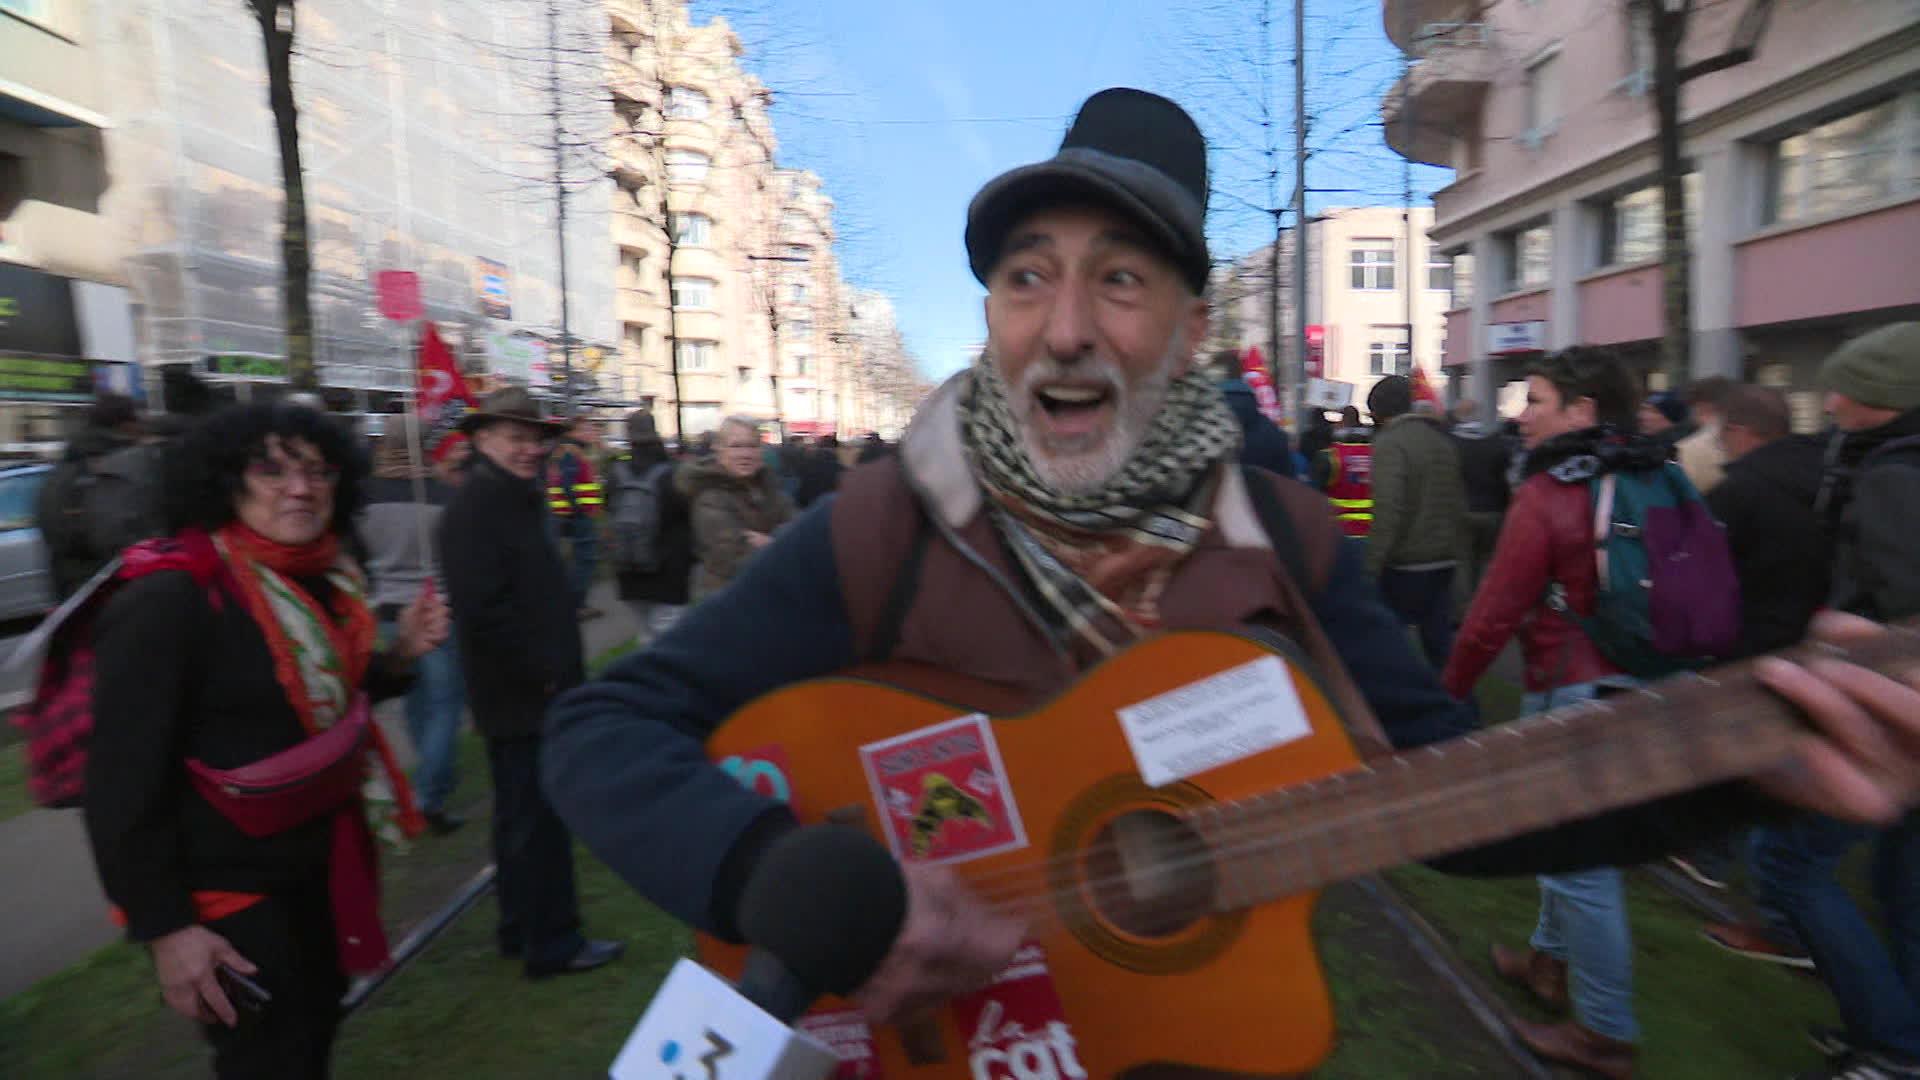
(943, 793)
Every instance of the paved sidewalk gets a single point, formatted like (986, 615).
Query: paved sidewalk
(52, 914)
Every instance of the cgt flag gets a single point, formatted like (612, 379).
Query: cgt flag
(1422, 389)
(444, 398)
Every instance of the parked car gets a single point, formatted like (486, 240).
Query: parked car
(26, 583)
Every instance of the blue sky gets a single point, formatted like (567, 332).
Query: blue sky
(906, 107)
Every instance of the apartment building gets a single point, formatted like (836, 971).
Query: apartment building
(65, 315)
(1803, 184)
(747, 286)
(1377, 297)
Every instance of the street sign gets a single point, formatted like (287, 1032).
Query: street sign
(399, 294)
(1505, 339)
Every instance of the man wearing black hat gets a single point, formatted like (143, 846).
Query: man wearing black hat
(521, 645)
(1069, 494)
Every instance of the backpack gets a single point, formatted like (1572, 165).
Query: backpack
(1668, 597)
(636, 515)
(58, 722)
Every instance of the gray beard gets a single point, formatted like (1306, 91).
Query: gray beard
(1135, 408)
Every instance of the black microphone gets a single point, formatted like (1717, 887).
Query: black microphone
(822, 909)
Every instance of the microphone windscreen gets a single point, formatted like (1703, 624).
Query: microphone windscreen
(828, 901)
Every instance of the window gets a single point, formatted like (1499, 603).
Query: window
(1639, 50)
(1633, 226)
(699, 417)
(693, 355)
(1462, 281)
(797, 293)
(686, 103)
(1837, 165)
(687, 167)
(1388, 358)
(1370, 264)
(743, 375)
(633, 268)
(1439, 272)
(793, 221)
(692, 230)
(802, 364)
(800, 251)
(693, 292)
(1529, 256)
(636, 340)
(797, 330)
(1543, 97)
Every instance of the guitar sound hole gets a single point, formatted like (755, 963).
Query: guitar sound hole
(1149, 874)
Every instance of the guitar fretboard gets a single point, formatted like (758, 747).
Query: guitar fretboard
(1555, 767)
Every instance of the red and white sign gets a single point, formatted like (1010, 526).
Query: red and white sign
(1253, 371)
(1507, 338)
(943, 793)
(1016, 1028)
(398, 292)
(1316, 351)
(845, 1032)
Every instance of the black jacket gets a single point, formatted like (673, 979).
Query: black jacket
(1872, 499)
(820, 473)
(1263, 443)
(512, 605)
(668, 583)
(1484, 459)
(1781, 553)
(176, 679)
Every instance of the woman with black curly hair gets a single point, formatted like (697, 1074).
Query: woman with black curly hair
(234, 663)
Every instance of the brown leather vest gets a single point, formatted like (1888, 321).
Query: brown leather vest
(971, 620)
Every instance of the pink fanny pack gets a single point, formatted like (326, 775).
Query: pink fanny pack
(299, 784)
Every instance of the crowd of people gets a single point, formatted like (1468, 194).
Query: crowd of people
(1080, 487)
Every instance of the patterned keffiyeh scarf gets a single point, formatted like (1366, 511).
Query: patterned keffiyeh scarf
(1101, 559)
(320, 655)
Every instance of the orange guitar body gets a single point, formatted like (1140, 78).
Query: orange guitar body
(1238, 992)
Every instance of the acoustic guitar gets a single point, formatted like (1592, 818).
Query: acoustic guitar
(1163, 825)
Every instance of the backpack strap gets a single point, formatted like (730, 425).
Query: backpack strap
(906, 583)
(1278, 524)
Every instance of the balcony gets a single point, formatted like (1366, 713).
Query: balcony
(1403, 19)
(1441, 94)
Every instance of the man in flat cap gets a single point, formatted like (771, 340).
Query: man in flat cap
(1070, 494)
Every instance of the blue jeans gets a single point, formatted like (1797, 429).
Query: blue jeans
(435, 707)
(583, 541)
(1424, 600)
(1876, 985)
(1583, 921)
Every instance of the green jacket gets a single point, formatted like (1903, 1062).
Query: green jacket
(1419, 498)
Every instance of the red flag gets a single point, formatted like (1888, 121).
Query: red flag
(1253, 370)
(443, 395)
(1422, 389)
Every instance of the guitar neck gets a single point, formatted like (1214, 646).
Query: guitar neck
(1570, 763)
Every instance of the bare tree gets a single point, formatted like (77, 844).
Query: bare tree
(276, 19)
(1667, 22)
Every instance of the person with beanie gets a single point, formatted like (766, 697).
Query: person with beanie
(1869, 498)
(1664, 417)
(1419, 515)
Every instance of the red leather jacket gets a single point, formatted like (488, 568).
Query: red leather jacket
(1547, 538)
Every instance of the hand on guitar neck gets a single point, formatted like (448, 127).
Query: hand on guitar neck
(1861, 761)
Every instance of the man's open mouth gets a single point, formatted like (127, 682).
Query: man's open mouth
(1074, 409)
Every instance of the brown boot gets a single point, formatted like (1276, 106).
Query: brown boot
(1536, 972)
(1571, 1044)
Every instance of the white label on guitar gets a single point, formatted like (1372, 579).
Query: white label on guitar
(1220, 719)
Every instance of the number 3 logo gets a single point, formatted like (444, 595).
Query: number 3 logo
(718, 1048)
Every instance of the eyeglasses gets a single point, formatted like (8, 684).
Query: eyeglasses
(278, 474)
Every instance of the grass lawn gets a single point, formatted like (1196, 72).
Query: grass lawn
(14, 799)
(1704, 1014)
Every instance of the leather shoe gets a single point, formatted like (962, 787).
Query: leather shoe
(442, 823)
(1571, 1044)
(593, 954)
(1534, 971)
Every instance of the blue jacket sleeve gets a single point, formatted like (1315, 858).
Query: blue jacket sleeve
(623, 757)
(1414, 710)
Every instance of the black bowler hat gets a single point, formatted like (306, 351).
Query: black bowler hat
(1135, 152)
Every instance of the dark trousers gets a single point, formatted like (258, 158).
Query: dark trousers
(289, 937)
(533, 857)
(1424, 600)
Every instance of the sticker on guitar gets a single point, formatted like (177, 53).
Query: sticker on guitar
(1217, 720)
(943, 793)
(1016, 1028)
